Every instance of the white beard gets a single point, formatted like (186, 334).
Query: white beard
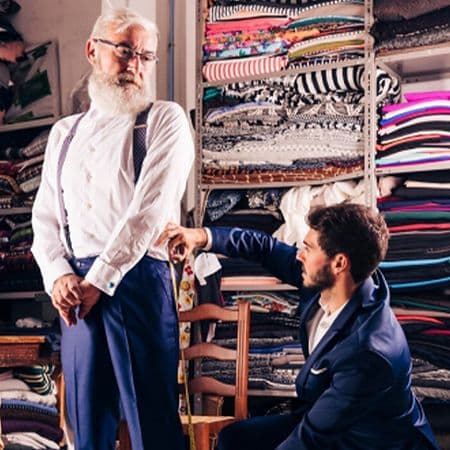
(118, 94)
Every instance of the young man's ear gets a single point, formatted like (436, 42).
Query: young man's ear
(91, 51)
(340, 263)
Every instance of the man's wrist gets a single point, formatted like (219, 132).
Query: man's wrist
(207, 239)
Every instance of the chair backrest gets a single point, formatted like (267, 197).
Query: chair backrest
(209, 385)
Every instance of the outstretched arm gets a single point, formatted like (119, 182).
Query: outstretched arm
(279, 258)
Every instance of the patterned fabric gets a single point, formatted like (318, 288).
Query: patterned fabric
(226, 70)
(339, 43)
(36, 146)
(38, 378)
(271, 2)
(222, 176)
(8, 185)
(335, 91)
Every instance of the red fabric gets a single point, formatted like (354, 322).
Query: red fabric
(402, 318)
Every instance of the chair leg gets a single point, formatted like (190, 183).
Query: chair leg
(201, 433)
(124, 436)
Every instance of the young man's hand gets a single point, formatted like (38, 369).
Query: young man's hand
(182, 241)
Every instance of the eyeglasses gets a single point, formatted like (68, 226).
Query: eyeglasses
(125, 53)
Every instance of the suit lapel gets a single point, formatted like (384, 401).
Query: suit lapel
(340, 323)
(309, 309)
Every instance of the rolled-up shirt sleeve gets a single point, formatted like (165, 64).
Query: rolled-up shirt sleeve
(48, 248)
(161, 185)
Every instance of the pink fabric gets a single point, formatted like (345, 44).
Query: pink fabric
(245, 67)
(245, 25)
(402, 318)
(420, 226)
(415, 105)
(431, 95)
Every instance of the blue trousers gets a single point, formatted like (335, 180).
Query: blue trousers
(125, 353)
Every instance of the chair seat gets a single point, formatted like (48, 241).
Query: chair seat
(206, 419)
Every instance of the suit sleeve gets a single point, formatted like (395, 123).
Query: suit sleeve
(357, 387)
(277, 257)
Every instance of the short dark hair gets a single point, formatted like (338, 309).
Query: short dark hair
(355, 230)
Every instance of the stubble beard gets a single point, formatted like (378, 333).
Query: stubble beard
(323, 279)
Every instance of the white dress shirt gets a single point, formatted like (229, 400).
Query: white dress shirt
(321, 323)
(108, 215)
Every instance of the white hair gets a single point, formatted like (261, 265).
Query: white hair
(120, 20)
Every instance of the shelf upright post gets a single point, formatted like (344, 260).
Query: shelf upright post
(199, 33)
(370, 112)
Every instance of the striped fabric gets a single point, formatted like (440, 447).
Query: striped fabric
(218, 13)
(38, 377)
(271, 2)
(329, 43)
(227, 70)
(346, 79)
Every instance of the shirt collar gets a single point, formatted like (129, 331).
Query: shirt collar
(326, 309)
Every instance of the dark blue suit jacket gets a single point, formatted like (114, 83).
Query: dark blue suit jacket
(355, 386)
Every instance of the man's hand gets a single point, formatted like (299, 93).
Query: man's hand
(66, 295)
(182, 241)
(90, 296)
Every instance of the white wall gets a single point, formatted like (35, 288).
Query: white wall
(67, 21)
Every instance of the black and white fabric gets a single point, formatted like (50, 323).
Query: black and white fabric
(346, 79)
(270, 2)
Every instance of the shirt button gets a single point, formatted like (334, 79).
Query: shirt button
(110, 285)
(88, 206)
(88, 177)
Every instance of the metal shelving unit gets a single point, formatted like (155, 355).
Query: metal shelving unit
(370, 134)
(204, 188)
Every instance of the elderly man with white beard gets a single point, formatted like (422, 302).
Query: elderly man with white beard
(112, 178)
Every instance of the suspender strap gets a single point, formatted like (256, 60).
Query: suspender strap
(139, 151)
(59, 190)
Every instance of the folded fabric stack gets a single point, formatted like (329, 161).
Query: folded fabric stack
(426, 323)
(292, 128)
(416, 132)
(20, 176)
(418, 215)
(20, 170)
(18, 269)
(28, 415)
(410, 23)
(258, 209)
(252, 38)
(275, 357)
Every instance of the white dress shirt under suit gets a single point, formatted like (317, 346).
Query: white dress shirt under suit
(108, 215)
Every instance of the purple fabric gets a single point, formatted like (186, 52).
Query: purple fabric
(411, 115)
(17, 426)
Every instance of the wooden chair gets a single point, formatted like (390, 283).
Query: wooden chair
(206, 427)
